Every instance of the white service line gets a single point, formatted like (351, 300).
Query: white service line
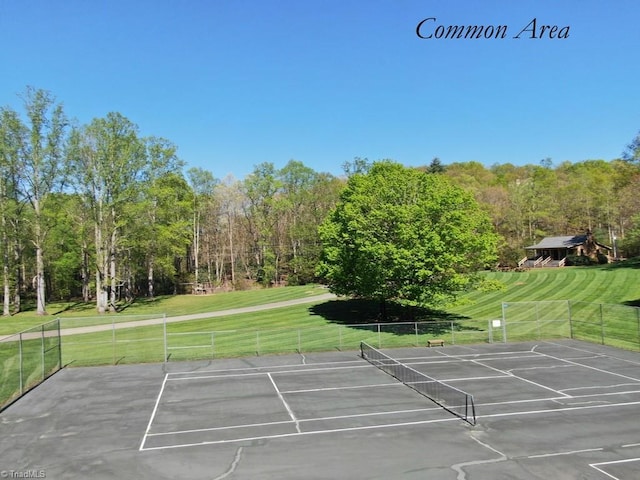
(153, 413)
(614, 462)
(291, 414)
(592, 368)
(314, 432)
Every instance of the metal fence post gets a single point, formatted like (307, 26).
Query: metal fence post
(601, 325)
(504, 322)
(415, 327)
(164, 337)
(570, 320)
(113, 338)
(59, 344)
(20, 364)
(42, 352)
(638, 316)
(453, 334)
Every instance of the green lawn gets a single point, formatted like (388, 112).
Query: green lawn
(599, 307)
(170, 305)
(337, 323)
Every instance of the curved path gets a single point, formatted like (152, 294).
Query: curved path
(184, 318)
(197, 316)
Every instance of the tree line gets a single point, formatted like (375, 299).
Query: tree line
(100, 213)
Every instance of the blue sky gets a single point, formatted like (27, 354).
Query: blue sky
(234, 83)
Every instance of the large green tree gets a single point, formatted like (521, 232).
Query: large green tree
(107, 160)
(41, 170)
(399, 233)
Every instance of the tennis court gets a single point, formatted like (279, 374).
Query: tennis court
(553, 410)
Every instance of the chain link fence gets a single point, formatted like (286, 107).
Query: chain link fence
(27, 359)
(607, 324)
(180, 344)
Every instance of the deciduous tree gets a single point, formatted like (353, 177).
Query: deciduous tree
(398, 233)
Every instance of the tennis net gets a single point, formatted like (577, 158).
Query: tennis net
(450, 398)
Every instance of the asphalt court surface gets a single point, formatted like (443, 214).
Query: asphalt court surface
(552, 410)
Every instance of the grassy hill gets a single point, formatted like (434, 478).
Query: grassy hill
(611, 284)
(339, 323)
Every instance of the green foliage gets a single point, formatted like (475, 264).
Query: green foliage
(579, 261)
(398, 233)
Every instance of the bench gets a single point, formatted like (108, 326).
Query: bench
(435, 342)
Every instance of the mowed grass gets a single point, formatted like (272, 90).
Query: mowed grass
(170, 305)
(323, 325)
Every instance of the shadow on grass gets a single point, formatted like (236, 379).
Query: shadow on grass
(356, 312)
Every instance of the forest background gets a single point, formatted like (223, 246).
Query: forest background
(99, 213)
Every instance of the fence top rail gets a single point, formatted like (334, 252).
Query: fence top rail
(319, 327)
(35, 329)
(573, 302)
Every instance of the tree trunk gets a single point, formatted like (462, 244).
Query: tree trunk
(112, 272)
(6, 290)
(150, 278)
(40, 286)
(17, 256)
(101, 268)
(86, 291)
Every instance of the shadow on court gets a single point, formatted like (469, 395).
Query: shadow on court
(544, 410)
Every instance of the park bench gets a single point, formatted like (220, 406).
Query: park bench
(435, 343)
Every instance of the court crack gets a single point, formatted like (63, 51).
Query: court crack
(233, 466)
(459, 467)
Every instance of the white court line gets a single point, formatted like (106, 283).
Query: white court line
(315, 432)
(303, 420)
(370, 427)
(153, 413)
(603, 387)
(215, 429)
(572, 452)
(545, 399)
(525, 379)
(614, 462)
(245, 369)
(291, 414)
(596, 354)
(504, 372)
(590, 367)
(277, 372)
(554, 410)
(349, 387)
